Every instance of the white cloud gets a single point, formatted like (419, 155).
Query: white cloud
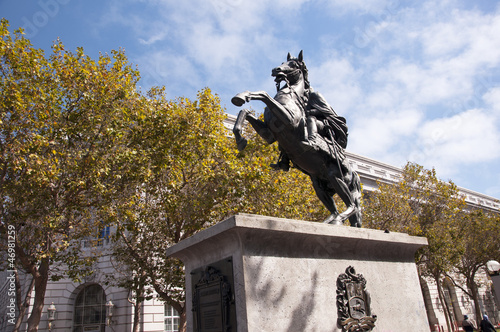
(412, 79)
(434, 51)
(492, 100)
(378, 8)
(382, 133)
(428, 68)
(467, 37)
(421, 83)
(466, 138)
(158, 68)
(337, 80)
(158, 34)
(219, 37)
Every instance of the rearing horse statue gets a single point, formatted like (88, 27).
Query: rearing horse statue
(288, 120)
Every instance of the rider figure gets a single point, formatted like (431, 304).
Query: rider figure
(320, 119)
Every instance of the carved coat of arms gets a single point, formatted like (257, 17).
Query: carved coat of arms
(353, 303)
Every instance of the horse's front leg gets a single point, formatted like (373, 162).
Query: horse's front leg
(242, 98)
(274, 106)
(259, 126)
(241, 142)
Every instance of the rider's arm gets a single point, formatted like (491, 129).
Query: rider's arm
(313, 111)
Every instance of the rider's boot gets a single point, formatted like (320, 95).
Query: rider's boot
(312, 134)
(311, 142)
(283, 163)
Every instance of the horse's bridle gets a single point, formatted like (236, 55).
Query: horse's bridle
(296, 73)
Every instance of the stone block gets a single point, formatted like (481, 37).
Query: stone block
(285, 272)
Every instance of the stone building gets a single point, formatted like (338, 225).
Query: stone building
(93, 306)
(370, 172)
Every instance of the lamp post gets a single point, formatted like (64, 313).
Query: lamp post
(51, 313)
(109, 312)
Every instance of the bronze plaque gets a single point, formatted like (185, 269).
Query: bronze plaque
(213, 297)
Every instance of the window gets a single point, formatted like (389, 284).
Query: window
(103, 236)
(90, 310)
(171, 319)
(449, 302)
(101, 240)
(428, 303)
(450, 297)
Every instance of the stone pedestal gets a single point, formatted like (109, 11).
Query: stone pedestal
(284, 275)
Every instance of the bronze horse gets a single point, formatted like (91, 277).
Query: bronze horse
(286, 121)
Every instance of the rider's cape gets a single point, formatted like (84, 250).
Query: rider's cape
(337, 123)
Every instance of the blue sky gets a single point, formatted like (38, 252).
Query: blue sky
(417, 80)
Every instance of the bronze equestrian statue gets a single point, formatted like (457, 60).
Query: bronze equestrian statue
(310, 135)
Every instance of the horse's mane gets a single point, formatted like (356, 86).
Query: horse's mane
(305, 73)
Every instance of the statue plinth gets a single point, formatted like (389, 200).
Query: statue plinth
(257, 273)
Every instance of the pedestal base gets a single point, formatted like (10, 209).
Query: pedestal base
(284, 275)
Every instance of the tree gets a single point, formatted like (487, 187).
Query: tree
(182, 176)
(137, 284)
(421, 205)
(191, 178)
(61, 122)
(81, 149)
(478, 244)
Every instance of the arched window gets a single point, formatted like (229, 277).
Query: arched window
(431, 315)
(450, 297)
(90, 310)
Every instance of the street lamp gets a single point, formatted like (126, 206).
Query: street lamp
(109, 312)
(51, 313)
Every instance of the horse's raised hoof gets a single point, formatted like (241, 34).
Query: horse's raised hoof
(241, 144)
(239, 99)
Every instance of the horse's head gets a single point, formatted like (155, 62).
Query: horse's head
(291, 72)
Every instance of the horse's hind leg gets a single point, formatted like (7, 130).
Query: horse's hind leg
(341, 181)
(325, 196)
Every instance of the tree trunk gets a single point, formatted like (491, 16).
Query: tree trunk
(137, 316)
(137, 310)
(22, 305)
(475, 297)
(41, 278)
(180, 307)
(182, 320)
(444, 304)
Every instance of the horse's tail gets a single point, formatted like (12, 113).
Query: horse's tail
(355, 189)
(355, 186)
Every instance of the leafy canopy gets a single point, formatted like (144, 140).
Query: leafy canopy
(62, 118)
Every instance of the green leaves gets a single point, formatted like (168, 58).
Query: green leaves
(185, 175)
(62, 118)
(81, 148)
